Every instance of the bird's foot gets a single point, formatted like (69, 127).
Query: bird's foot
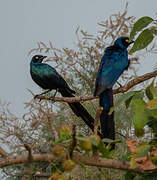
(54, 94)
(119, 84)
(36, 96)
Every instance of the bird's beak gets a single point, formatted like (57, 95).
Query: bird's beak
(131, 42)
(43, 58)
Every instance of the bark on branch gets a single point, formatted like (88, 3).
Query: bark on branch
(3, 153)
(90, 161)
(123, 89)
(28, 148)
(74, 141)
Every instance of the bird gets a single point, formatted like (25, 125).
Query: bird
(113, 63)
(49, 79)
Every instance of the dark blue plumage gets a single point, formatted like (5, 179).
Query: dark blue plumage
(48, 78)
(113, 63)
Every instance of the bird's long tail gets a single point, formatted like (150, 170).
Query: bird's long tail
(79, 110)
(106, 120)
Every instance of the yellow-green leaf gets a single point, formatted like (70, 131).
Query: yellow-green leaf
(140, 114)
(142, 150)
(139, 25)
(143, 40)
(152, 104)
(123, 98)
(133, 163)
(149, 93)
(153, 89)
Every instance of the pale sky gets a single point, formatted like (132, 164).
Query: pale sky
(24, 22)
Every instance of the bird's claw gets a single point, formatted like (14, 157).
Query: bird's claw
(119, 84)
(36, 96)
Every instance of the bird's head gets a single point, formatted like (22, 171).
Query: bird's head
(123, 42)
(38, 58)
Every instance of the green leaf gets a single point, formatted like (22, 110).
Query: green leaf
(128, 101)
(81, 138)
(153, 89)
(140, 114)
(94, 141)
(143, 40)
(149, 93)
(139, 25)
(139, 94)
(154, 31)
(142, 150)
(105, 150)
(106, 140)
(123, 98)
(139, 132)
(133, 163)
(153, 124)
(153, 113)
(152, 104)
(128, 176)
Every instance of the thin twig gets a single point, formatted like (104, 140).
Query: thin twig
(96, 122)
(46, 175)
(74, 141)
(121, 135)
(3, 153)
(53, 130)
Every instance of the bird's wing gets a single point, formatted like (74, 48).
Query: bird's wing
(49, 71)
(108, 73)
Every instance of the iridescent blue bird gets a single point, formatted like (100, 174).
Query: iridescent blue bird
(113, 63)
(48, 78)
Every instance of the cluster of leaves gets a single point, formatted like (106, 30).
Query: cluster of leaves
(143, 111)
(143, 105)
(146, 36)
(87, 145)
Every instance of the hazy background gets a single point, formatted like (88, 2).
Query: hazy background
(24, 22)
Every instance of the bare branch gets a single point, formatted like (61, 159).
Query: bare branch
(54, 132)
(67, 99)
(3, 153)
(123, 89)
(90, 161)
(135, 81)
(24, 159)
(46, 175)
(74, 141)
(106, 163)
(28, 148)
(96, 122)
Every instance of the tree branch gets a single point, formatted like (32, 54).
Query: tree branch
(135, 81)
(74, 141)
(28, 148)
(3, 153)
(123, 89)
(96, 121)
(90, 161)
(53, 130)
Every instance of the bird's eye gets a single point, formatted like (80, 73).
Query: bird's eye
(37, 57)
(127, 40)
